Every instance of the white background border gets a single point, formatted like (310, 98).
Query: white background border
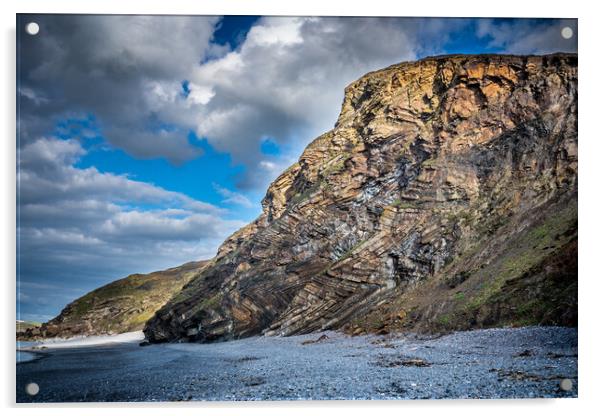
(590, 200)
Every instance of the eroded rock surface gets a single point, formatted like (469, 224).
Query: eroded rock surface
(455, 174)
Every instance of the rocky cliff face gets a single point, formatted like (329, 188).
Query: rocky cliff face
(438, 201)
(121, 306)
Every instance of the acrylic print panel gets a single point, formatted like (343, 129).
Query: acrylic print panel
(286, 208)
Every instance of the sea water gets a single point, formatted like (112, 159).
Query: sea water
(24, 356)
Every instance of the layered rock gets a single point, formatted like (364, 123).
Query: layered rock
(120, 306)
(434, 170)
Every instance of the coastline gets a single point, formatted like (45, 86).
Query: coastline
(28, 351)
(81, 341)
(523, 362)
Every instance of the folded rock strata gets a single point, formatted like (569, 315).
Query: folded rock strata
(441, 177)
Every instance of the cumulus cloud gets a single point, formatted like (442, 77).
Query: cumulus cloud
(79, 227)
(126, 70)
(285, 81)
(47, 175)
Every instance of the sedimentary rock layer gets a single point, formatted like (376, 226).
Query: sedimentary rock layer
(456, 173)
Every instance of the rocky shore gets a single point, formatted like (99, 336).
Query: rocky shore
(495, 363)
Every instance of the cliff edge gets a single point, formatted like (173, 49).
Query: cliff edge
(445, 197)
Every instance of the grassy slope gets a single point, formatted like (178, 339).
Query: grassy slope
(524, 274)
(121, 306)
(24, 325)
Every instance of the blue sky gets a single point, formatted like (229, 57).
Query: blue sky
(144, 141)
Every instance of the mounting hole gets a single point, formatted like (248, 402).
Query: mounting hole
(32, 28)
(32, 389)
(566, 32)
(566, 385)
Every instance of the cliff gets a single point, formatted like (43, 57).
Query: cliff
(444, 198)
(121, 306)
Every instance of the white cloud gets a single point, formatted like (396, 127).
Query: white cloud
(47, 174)
(231, 197)
(160, 93)
(165, 225)
(286, 82)
(267, 165)
(125, 70)
(80, 227)
(276, 31)
(200, 94)
(49, 152)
